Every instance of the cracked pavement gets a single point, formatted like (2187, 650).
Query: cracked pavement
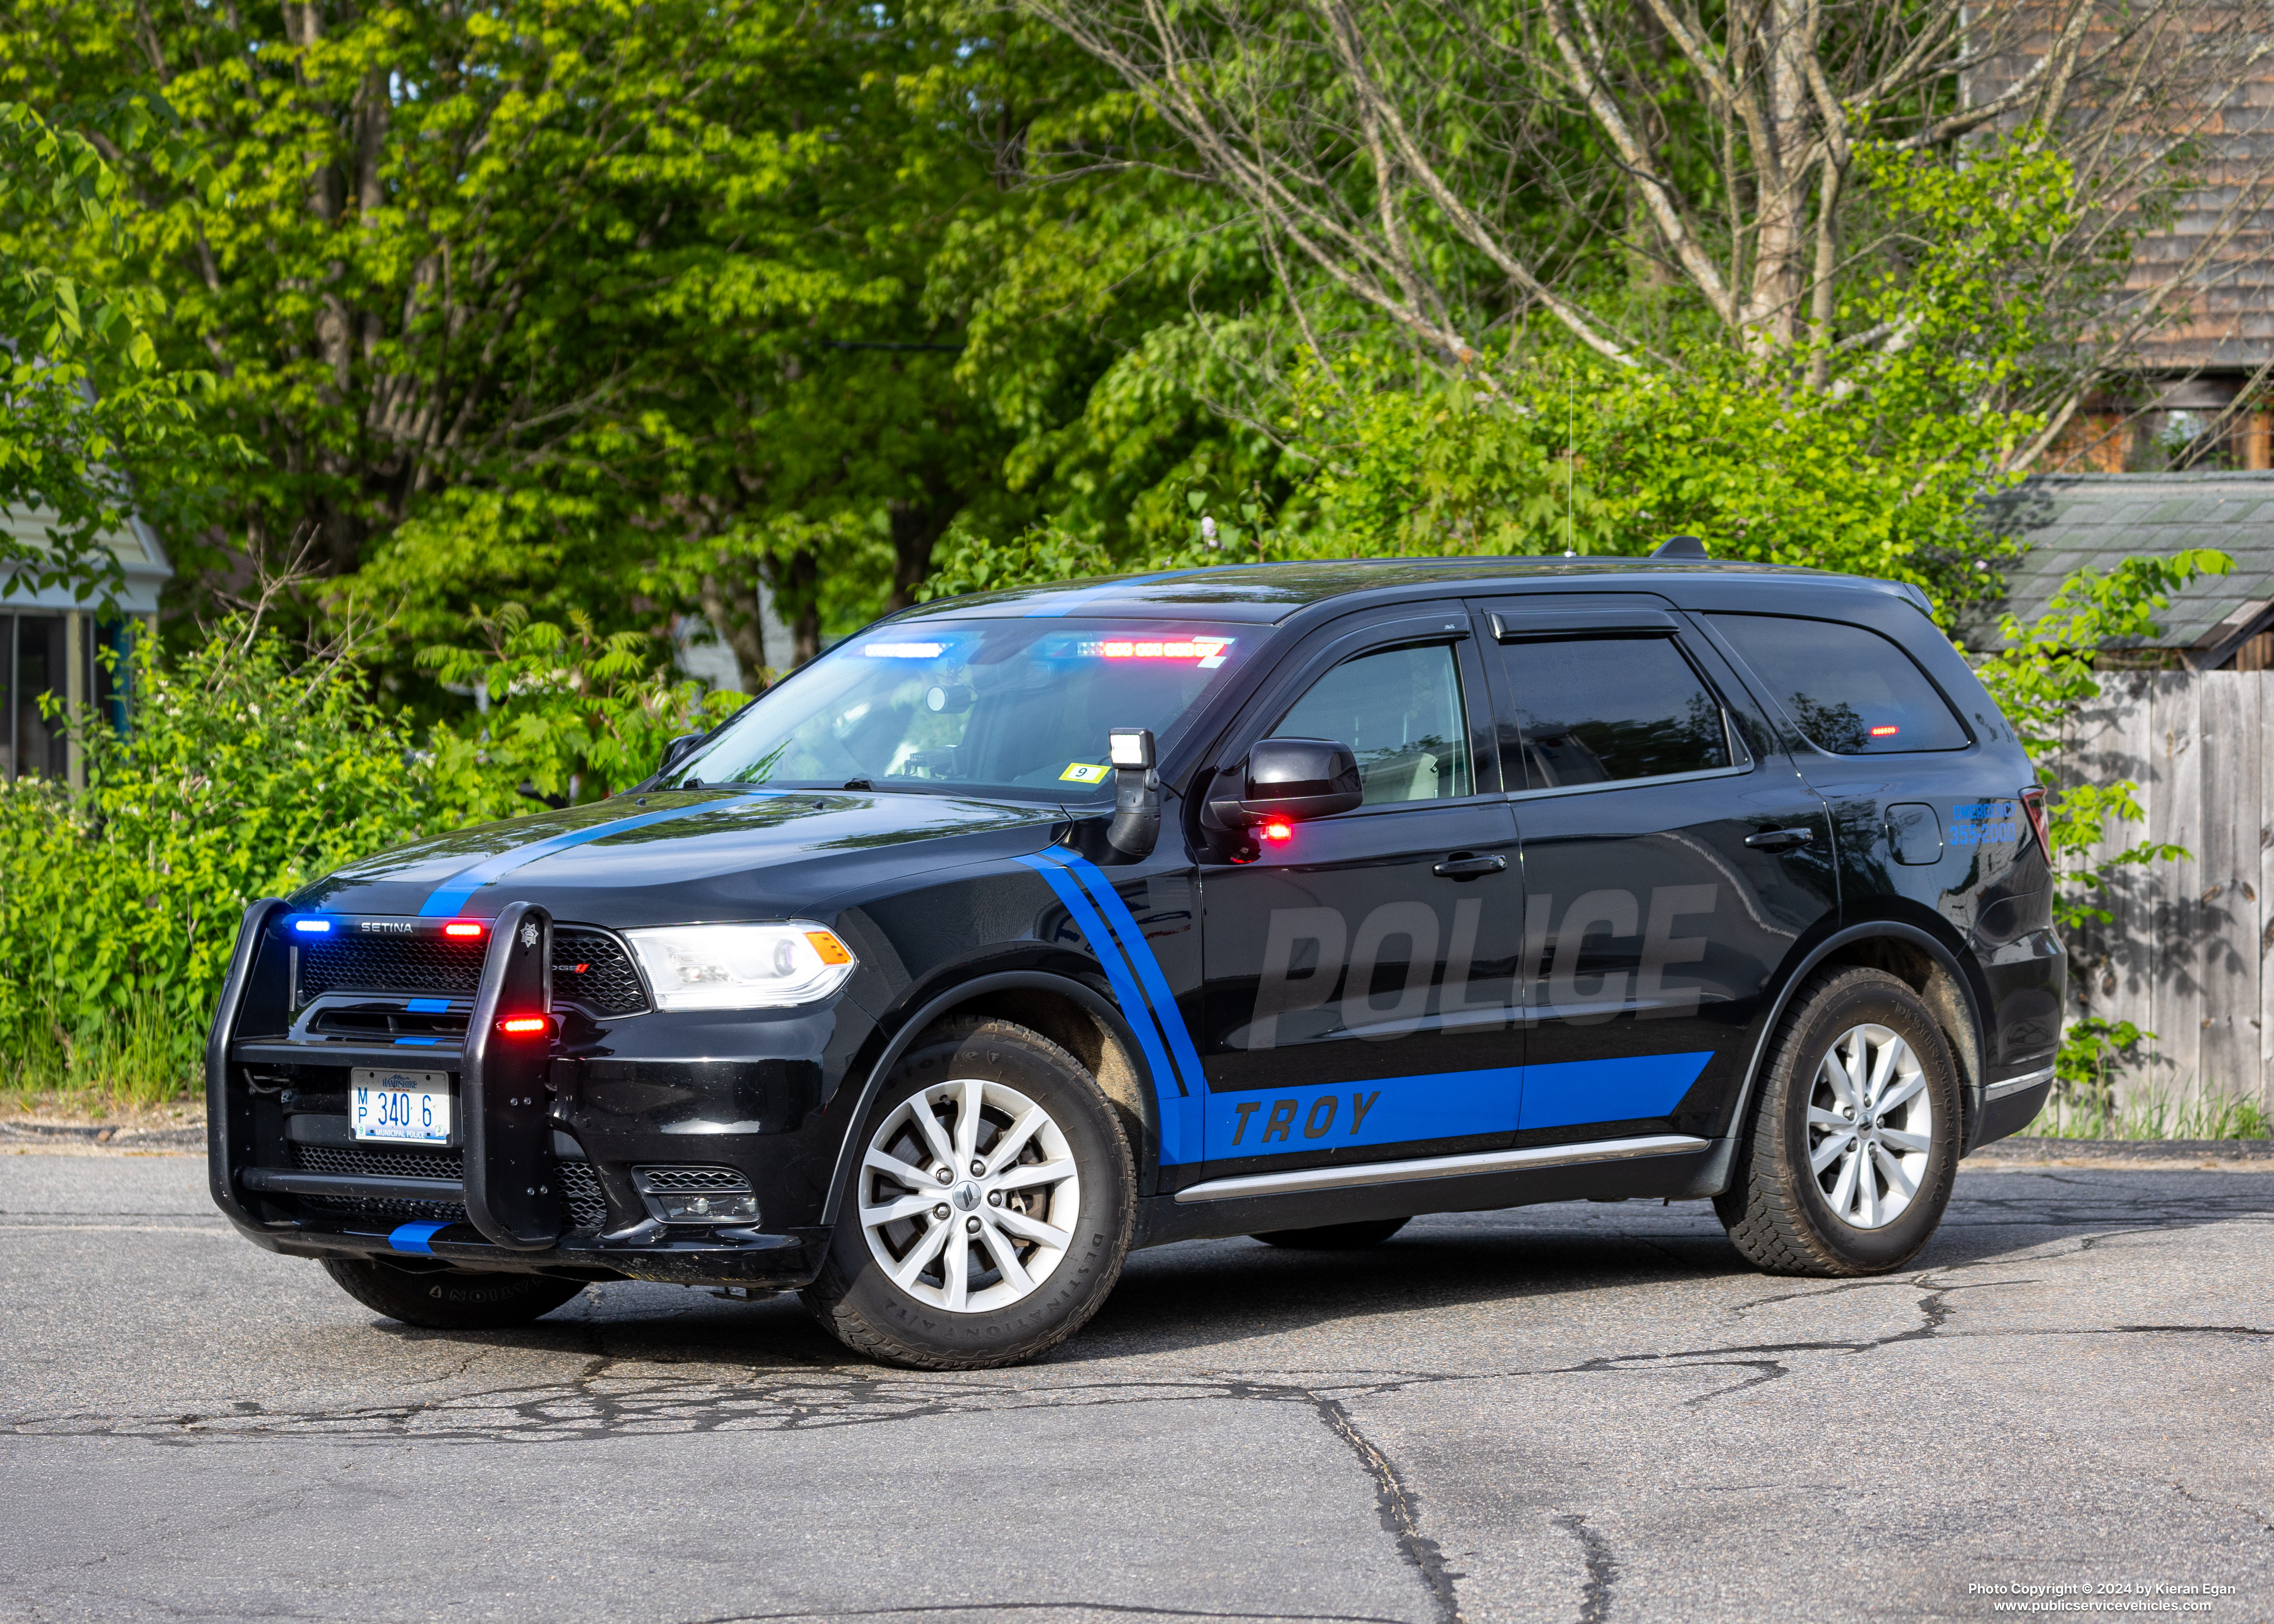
(1577, 1412)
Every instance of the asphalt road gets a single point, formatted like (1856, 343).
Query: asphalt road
(1568, 1413)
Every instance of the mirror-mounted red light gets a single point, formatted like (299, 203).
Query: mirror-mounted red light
(1277, 830)
(525, 1026)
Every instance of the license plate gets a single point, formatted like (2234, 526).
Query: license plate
(407, 1108)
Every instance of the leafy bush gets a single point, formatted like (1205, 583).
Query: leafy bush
(246, 776)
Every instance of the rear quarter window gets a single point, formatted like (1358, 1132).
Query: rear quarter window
(1852, 691)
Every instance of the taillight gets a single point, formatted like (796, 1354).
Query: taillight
(2033, 801)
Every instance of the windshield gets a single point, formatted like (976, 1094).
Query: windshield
(972, 706)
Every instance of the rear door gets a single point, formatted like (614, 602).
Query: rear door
(1673, 858)
(1361, 996)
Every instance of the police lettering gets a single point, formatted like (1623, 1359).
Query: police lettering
(1313, 960)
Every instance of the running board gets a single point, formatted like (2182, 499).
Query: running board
(1349, 1178)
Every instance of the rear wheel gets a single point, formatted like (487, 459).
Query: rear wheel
(1336, 1237)
(1854, 1140)
(450, 1299)
(992, 1207)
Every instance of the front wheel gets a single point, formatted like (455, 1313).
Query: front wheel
(1855, 1142)
(991, 1208)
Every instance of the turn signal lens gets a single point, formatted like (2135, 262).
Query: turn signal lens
(463, 927)
(523, 1025)
(1278, 831)
(831, 950)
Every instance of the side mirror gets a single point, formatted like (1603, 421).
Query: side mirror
(1294, 778)
(678, 750)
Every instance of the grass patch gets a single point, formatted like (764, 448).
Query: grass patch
(133, 1065)
(2151, 1114)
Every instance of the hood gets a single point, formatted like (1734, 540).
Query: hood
(681, 856)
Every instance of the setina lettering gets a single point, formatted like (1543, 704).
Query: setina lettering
(1610, 953)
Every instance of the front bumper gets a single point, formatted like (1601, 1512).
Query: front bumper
(772, 1262)
(542, 1177)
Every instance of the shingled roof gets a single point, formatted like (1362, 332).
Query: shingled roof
(2073, 520)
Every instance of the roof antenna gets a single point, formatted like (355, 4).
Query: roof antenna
(1571, 458)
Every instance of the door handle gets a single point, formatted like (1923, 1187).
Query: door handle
(1779, 839)
(1466, 866)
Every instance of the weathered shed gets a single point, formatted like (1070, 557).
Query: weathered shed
(2070, 521)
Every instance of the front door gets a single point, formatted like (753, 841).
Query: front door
(1673, 860)
(1361, 985)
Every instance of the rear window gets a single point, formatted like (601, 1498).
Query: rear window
(1853, 692)
(1595, 710)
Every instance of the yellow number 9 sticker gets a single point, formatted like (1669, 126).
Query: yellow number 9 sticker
(1084, 772)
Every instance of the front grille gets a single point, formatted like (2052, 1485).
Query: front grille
(580, 1183)
(592, 968)
(660, 1179)
(393, 1162)
(428, 965)
(589, 968)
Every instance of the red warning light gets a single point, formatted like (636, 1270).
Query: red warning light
(523, 1025)
(1885, 733)
(463, 929)
(1277, 830)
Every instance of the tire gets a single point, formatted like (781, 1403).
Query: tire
(954, 1305)
(1336, 1237)
(450, 1299)
(1811, 1195)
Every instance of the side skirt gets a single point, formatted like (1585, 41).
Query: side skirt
(1673, 1166)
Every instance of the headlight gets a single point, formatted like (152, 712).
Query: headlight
(742, 966)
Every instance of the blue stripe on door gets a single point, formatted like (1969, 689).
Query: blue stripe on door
(1445, 1105)
(1615, 1090)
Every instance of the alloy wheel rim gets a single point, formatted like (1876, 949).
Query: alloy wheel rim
(968, 1196)
(1870, 1126)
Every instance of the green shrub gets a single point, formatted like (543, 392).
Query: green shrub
(245, 776)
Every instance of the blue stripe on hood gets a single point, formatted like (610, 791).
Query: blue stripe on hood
(448, 898)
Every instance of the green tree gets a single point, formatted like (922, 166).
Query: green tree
(87, 399)
(585, 305)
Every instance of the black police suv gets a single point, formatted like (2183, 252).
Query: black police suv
(1288, 901)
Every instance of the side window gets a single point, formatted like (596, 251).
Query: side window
(1853, 692)
(1598, 709)
(1400, 712)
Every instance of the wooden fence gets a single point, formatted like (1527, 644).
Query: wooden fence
(2185, 955)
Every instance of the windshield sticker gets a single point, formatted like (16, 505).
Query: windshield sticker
(904, 650)
(1084, 772)
(1207, 652)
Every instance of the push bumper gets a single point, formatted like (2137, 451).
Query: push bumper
(518, 1193)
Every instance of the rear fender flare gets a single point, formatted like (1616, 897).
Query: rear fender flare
(1878, 929)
